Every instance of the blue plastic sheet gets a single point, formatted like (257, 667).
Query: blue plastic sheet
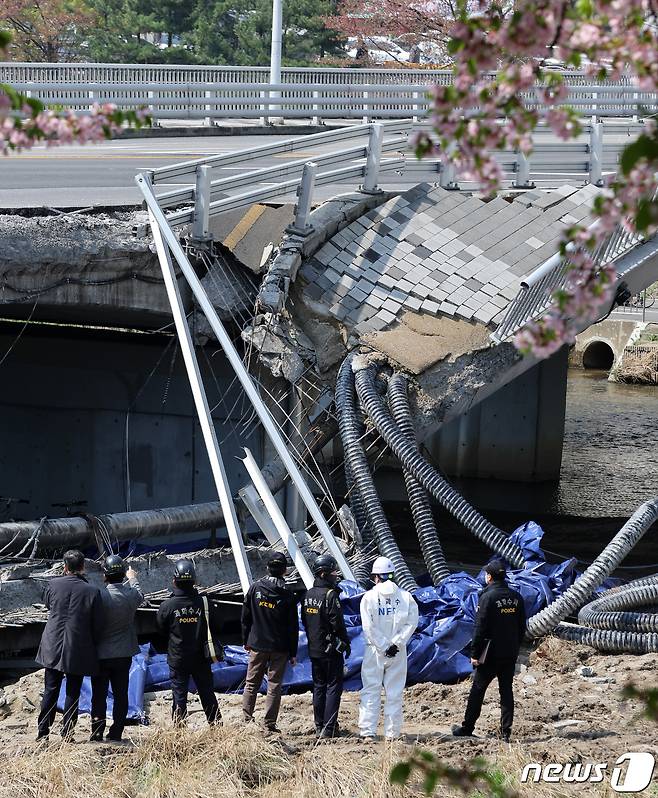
(437, 652)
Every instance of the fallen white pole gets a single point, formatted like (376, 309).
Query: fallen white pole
(244, 377)
(201, 403)
(277, 517)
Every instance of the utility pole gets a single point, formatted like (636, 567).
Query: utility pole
(275, 54)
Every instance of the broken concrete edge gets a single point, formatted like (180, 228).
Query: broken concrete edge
(156, 131)
(325, 221)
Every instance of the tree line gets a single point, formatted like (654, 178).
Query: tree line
(186, 31)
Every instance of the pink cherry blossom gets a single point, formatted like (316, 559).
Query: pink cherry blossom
(616, 42)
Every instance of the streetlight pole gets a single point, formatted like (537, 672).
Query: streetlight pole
(275, 54)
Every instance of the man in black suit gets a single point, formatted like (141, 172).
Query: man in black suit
(68, 643)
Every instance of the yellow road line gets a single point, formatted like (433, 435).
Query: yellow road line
(96, 157)
(295, 155)
(243, 226)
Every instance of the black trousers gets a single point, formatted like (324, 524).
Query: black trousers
(113, 672)
(52, 684)
(503, 670)
(180, 682)
(327, 691)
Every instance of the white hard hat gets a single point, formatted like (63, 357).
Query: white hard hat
(382, 565)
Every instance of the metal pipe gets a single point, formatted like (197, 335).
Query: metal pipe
(276, 515)
(244, 377)
(59, 533)
(201, 403)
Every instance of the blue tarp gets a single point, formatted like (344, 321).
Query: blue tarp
(437, 652)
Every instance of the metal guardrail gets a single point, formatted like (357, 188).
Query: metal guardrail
(361, 164)
(214, 93)
(568, 161)
(537, 289)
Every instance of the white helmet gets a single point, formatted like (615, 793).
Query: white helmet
(383, 566)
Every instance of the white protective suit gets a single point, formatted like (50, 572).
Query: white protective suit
(389, 616)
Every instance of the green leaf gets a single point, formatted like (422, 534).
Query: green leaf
(645, 215)
(400, 773)
(643, 147)
(585, 8)
(5, 39)
(430, 781)
(454, 46)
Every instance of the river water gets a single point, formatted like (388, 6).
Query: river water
(610, 458)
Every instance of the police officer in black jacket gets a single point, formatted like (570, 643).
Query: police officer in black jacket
(497, 637)
(182, 618)
(270, 632)
(323, 621)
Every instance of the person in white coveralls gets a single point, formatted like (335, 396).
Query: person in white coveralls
(389, 616)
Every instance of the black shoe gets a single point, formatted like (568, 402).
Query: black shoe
(42, 737)
(328, 734)
(505, 736)
(461, 731)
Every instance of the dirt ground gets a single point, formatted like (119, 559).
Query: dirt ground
(569, 709)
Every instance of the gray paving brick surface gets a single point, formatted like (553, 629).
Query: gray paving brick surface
(440, 252)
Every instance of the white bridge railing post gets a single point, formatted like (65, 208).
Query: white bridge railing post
(373, 161)
(305, 190)
(448, 176)
(201, 223)
(522, 169)
(596, 154)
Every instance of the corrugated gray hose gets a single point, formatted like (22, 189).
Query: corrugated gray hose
(358, 469)
(428, 476)
(614, 628)
(610, 610)
(351, 428)
(428, 537)
(548, 619)
(604, 640)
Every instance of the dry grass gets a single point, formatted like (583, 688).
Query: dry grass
(222, 763)
(639, 365)
(167, 764)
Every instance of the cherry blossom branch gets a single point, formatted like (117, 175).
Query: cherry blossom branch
(478, 114)
(25, 122)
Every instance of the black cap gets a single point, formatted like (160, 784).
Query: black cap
(325, 562)
(184, 571)
(277, 558)
(496, 569)
(114, 566)
(277, 563)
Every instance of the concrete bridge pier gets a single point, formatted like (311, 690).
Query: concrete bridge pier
(515, 434)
